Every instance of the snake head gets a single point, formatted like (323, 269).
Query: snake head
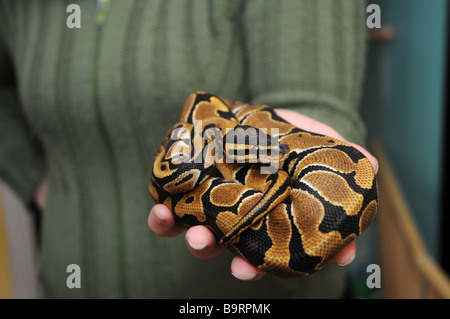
(247, 144)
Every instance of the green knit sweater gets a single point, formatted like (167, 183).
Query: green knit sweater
(86, 108)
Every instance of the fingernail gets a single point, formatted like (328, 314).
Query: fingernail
(158, 217)
(196, 246)
(244, 276)
(349, 261)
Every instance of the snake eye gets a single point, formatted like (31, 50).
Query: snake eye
(163, 167)
(180, 158)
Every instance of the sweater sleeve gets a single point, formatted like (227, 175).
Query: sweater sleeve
(308, 55)
(21, 158)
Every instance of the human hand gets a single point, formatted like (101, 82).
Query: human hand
(201, 241)
(41, 194)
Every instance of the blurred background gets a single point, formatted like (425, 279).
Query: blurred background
(404, 105)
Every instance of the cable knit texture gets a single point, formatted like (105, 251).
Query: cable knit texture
(87, 108)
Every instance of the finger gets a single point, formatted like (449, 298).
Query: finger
(243, 270)
(41, 194)
(346, 255)
(202, 243)
(162, 222)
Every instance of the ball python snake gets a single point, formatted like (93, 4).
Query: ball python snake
(285, 199)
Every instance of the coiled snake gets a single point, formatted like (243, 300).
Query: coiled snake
(285, 199)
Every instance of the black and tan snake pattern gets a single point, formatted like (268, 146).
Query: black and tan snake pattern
(284, 199)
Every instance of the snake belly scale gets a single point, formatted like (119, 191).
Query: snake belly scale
(284, 199)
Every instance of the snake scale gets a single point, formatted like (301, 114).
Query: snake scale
(285, 199)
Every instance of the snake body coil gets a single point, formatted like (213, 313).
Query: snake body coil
(285, 199)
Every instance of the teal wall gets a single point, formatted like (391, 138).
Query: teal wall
(403, 103)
